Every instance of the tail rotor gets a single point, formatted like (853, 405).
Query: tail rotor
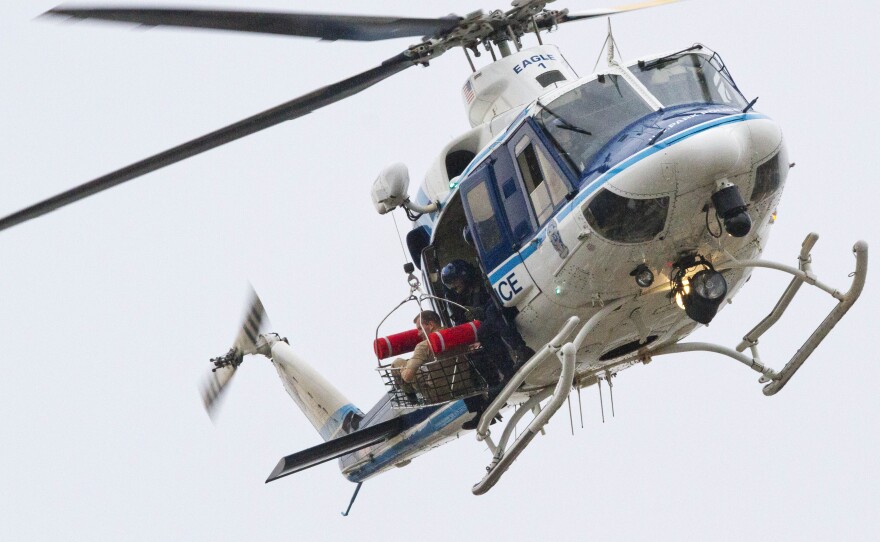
(225, 366)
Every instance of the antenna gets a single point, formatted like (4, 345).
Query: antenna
(608, 377)
(611, 45)
(580, 406)
(610, 41)
(353, 497)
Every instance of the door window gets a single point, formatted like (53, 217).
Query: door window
(543, 182)
(488, 232)
(482, 213)
(513, 199)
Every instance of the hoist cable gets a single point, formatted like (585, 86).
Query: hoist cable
(400, 239)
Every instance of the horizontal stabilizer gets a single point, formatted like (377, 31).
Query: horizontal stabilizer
(336, 448)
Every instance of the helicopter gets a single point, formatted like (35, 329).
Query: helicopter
(648, 209)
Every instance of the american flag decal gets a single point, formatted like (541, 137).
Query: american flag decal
(468, 91)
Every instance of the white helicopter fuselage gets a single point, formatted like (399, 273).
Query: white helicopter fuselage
(581, 270)
(570, 265)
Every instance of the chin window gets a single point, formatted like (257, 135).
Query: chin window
(626, 220)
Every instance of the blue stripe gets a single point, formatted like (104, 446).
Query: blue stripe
(657, 147)
(331, 426)
(513, 261)
(491, 146)
(530, 249)
(442, 418)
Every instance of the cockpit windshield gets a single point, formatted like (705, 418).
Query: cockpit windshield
(585, 119)
(687, 79)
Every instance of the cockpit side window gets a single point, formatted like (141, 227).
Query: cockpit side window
(543, 182)
(767, 179)
(626, 220)
(687, 79)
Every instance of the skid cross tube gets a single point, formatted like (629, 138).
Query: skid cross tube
(567, 353)
(777, 380)
(503, 459)
(525, 408)
(519, 377)
(804, 261)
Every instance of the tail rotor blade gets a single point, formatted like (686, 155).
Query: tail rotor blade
(254, 318)
(225, 366)
(213, 387)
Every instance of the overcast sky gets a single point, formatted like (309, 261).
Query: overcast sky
(111, 308)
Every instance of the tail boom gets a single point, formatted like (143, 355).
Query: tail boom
(328, 410)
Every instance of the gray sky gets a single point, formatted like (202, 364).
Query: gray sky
(111, 307)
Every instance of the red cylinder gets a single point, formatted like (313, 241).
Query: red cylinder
(445, 339)
(394, 345)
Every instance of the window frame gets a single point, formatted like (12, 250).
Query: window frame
(603, 230)
(484, 175)
(503, 162)
(559, 167)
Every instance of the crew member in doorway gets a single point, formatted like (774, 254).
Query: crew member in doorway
(499, 337)
(502, 344)
(464, 288)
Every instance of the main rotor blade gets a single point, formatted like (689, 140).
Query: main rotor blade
(286, 111)
(323, 26)
(604, 12)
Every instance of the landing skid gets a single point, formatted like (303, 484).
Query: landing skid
(567, 353)
(503, 456)
(803, 275)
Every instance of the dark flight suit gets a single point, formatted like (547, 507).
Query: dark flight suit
(498, 337)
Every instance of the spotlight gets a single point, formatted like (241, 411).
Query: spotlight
(644, 276)
(707, 291)
(732, 209)
(681, 292)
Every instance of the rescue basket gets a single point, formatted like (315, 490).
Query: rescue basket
(451, 370)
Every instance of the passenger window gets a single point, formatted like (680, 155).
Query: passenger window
(543, 182)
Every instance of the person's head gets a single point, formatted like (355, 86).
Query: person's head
(458, 275)
(427, 322)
